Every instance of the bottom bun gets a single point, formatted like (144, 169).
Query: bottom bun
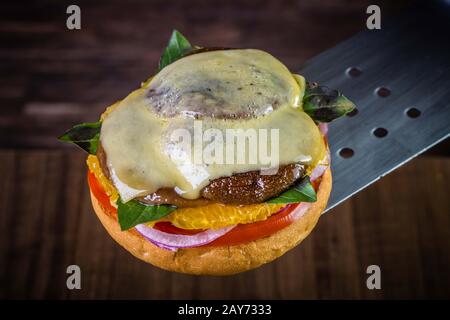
(223, 260)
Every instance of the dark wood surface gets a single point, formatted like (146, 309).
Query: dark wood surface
(53, 78)
(401, 224)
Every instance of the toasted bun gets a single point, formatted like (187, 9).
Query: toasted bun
(223, 260)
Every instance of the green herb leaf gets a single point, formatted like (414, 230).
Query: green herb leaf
(177, 47)
(301, 192)
(85, 135)
(324, 104)
(133, 212)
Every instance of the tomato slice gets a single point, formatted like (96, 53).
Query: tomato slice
(100, 194)
(240, 234)
(253, 231)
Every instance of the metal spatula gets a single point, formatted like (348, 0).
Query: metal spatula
(399, 79)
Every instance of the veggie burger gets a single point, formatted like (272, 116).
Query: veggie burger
(217, 164)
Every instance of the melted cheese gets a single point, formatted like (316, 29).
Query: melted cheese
(224, 84)
(241, 89)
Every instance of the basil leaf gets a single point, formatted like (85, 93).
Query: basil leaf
(177, 47)
(132, 213)
(301, 192)
(85, 135)
(324, 104)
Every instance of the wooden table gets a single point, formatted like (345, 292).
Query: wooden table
(53, 78)
(401, 224)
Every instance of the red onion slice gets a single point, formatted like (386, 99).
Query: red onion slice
(319, 170)
(300, 210)
(173, 242)
(323, 127)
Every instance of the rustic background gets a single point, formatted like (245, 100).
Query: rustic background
(52, 78)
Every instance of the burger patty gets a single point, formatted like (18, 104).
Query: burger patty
(239, 189)
(252, 187)
(169, 196)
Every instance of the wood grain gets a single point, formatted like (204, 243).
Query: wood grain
(53, 78)
(401, 224)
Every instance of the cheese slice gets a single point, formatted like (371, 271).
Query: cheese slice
(152, 138)
(225, 84)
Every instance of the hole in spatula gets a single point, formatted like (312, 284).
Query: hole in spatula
(383, 92)
(380, 132)
(413, 113)
(353, 72)
(346, 153)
